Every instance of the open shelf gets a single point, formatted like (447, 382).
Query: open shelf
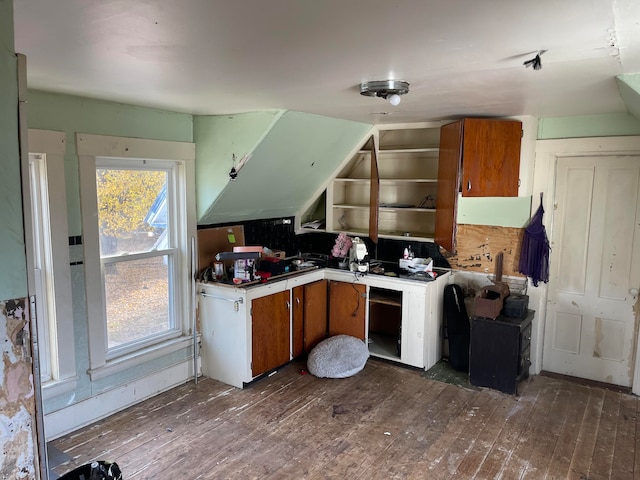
(406, 170)
(387, 297)
(385, 346)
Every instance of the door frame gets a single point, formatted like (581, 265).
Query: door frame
(544, 181)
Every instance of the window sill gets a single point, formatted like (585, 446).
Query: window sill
(53, 388)
(143, 355)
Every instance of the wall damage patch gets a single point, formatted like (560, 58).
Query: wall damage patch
(17, 404)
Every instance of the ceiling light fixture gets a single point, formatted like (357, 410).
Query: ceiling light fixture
(387, 89)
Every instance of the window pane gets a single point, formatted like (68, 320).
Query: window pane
(132, 210)
(137, 298)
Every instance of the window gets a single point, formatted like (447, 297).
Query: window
(49, 271)
(42, 266)
(136, 221)
(138, 214)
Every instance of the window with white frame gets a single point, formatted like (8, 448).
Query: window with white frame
(49, 272)
(138, 212)
(138, 251)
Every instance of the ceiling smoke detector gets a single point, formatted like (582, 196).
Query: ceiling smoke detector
(387, 89)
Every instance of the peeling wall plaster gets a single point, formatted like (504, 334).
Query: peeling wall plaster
(17, 401)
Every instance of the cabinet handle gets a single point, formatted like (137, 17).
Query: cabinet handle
(468, 185)
(297, 301)
(288, 305)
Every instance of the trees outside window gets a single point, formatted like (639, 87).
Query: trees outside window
(137, 251)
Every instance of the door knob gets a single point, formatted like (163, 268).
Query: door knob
(634, 292)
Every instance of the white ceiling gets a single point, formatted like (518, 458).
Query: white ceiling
(220, 56)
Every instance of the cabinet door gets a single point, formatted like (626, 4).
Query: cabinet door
(347, 304)
(374, 194)
(315, 314)
(270, 333)
(297, 337)
(449, 166)
(490, 157)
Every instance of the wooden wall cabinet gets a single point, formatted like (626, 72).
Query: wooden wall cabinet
(270, 332)
(478, 158)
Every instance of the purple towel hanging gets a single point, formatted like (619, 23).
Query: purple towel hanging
(534, 255)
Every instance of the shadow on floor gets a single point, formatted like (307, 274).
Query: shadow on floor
(55, 458)
(444, 372)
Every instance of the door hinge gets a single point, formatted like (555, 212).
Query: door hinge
(521, 133)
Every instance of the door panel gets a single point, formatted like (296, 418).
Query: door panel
(347, 304)
(270, 334)
(449, 166)
(297, 338)
(315, 314)
(590, 326)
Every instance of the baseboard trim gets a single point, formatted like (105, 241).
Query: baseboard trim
(85, 412)
(587, 382)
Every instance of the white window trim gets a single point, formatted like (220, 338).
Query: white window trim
(89, 147)
(52, 144)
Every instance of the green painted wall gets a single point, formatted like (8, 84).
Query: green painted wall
(629, 87)
(217, 138)
(588, 126)
(497, 211)
(72, 115)
(289, 165)
(13, 268)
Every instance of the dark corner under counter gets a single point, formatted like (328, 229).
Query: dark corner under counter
(500, 351)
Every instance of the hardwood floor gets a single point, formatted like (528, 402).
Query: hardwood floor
(386, 422)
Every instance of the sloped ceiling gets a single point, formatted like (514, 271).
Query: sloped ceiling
(629, 86)
(289, 164)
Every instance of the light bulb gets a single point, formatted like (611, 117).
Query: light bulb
(394, 99)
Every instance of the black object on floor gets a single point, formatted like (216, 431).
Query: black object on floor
(98, 470)
(458, 330)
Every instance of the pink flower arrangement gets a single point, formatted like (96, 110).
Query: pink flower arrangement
(342, 246)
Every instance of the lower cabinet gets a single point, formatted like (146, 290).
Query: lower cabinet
(499, 355)
(246, 332)
(270, 332)
(347, 308)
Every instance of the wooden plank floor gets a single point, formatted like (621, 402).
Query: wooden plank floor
(386, 422)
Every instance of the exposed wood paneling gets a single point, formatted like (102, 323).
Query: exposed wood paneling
(215, 240)
(478, 246)
(385, 422)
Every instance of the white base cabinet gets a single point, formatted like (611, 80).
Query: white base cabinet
(403, 321)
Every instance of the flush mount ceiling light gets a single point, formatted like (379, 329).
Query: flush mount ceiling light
(387, 89)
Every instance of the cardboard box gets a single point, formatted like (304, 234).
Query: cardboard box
(490, 300)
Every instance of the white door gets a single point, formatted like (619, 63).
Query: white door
(590, 329)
